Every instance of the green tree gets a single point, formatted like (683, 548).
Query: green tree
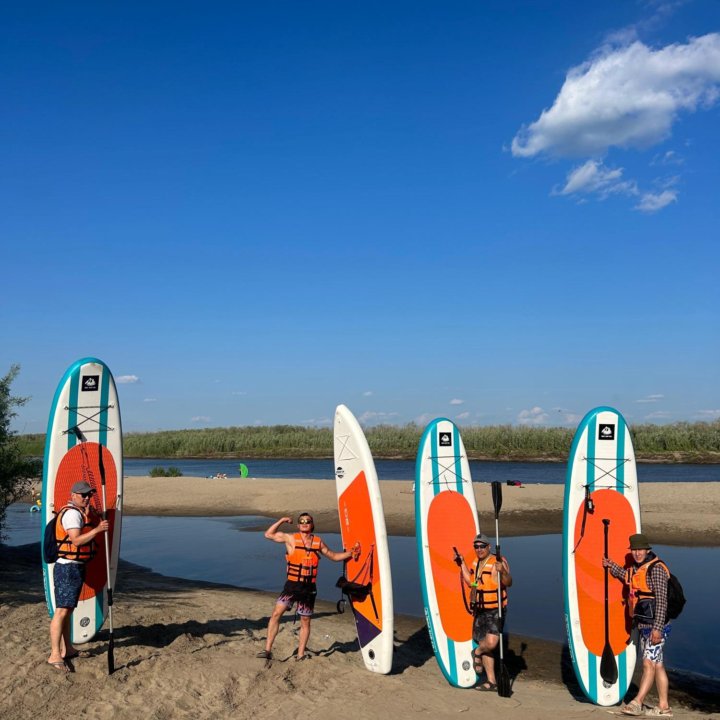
(16, 471)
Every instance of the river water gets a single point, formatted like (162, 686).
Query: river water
(481, 471)
(536, 603)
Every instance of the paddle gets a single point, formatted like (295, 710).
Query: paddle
(608, 665)
(111, 645)
(503, 677)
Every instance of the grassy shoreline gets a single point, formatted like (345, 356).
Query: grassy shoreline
(676, 443)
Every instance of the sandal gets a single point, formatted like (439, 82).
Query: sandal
(79, 654)
(306, 656)
(632, 708)
(486, 687)
(264, 655)
(59, 666)
(659, 712)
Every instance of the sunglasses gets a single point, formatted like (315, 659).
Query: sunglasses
(304, 522)
(480, 545)
(86, 494)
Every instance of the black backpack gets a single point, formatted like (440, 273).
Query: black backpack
(50, 545)
(676, 598)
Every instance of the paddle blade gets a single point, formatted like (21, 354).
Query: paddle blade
(503, 680)
(608, 666)
(111, 655)
(497, 496)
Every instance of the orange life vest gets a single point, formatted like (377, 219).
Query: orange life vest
(637, 580)
(302, 563)
(484, 592)
(66, 549)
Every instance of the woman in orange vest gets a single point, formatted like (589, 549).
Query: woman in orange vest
(647, 578)
(483, 579)
(303, 550)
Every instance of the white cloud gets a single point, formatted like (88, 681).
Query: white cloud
(659, 415)
(424, 419)
(376, 418)
(457, 401)
(149, 399)
(709, 414)
(127, 379)
(368, 393)
(594, 177)
(318, 422)
(462, 416)
(534, 416)
(200, 419)
(652, 202)
(650, 399)
(238, 392)
(625, 96)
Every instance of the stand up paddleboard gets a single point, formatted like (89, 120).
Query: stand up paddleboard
(601, 509)
(445, 519)
(84, 442)
(362, 520)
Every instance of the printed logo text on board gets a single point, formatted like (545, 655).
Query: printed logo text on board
(606, 431)
(90, 383)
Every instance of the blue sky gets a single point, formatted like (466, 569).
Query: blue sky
(498, 212)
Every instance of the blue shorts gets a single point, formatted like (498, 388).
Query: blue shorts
(68, 579)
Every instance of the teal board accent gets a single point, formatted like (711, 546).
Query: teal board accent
(590, 462)
(620, 457)
(622, 672)
(592, 676)
(434, 456)
(458, 467)
(452, 671)
(72, 405)
(104, 394)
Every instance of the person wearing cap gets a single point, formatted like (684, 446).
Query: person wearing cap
(303, 549)
(77, 527)
(485, 577)
(647, 577)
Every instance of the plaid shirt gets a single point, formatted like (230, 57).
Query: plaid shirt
(657, 580)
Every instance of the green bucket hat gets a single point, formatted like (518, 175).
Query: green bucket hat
(639, 542)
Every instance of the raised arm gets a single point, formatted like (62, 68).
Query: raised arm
(273, 533)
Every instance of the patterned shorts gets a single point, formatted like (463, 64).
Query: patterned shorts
(68, 579)
(305, 601)
(648, 651)
(487, 622)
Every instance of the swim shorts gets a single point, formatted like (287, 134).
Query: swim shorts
(487, 622)
(648, 651)
(304, 598)
(68, 579)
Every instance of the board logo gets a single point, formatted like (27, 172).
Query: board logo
(606, 431)
(445, 439)
(340, 472)
(84, 622)
(90, 383)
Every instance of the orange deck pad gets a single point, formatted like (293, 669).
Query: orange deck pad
(81, 463)
(590, 574)
(357, 525)
(451, 523)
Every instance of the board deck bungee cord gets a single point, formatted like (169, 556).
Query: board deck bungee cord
(362, 520)
(445, 519)
(601, 510)
(84, 442)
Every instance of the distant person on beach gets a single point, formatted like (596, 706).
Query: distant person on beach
(303, 550)
(77, 527)
(483, 579)
(647, 576)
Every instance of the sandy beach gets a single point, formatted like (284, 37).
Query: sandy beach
(187, 649)
(672, 513)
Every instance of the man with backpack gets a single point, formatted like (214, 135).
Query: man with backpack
(647, 577)
(75, 531)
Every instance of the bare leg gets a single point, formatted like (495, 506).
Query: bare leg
(662, 685)
(304, 635)
(487, 650)
(274, 625)
(59, 629)
(646, 681)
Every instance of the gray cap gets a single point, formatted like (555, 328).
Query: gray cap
(82, 487)
(482, 538)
